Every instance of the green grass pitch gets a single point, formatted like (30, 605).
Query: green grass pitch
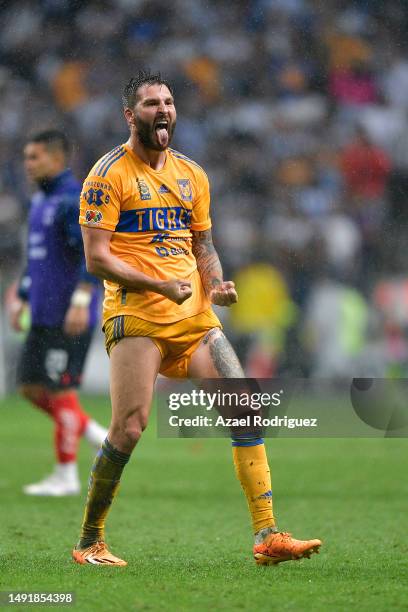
(181, 522)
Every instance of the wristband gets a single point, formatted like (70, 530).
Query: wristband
(81, 298)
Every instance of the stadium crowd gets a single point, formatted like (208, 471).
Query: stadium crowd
(298, 111)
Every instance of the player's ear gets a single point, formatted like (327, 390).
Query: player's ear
(129, 116)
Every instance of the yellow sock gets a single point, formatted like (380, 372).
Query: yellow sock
(103, 486)
(251, 466)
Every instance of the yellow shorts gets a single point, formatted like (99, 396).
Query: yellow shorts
(175, 341)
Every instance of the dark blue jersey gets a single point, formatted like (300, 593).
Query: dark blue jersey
(55, 256)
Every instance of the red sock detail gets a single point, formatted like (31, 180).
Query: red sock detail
(70, 423)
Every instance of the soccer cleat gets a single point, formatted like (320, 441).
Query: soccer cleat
(60, 483)
(52, 487)
(96, 554)
(278, 547)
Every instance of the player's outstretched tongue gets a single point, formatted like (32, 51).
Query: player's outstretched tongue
(163, 136)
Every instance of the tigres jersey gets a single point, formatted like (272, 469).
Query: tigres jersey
(151, 214)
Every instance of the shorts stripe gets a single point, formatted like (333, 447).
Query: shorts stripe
(119, 327)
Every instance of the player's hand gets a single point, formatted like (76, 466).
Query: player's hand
(76, 320)
(176, 290)
(16, 311)
(224, 294)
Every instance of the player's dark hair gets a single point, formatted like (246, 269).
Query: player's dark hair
(145, 77)
(52, 138)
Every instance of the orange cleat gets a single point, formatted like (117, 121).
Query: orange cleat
(96, 554)
(278, 547)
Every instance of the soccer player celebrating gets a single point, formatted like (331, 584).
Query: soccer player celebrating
(147, 232)
(62, 300)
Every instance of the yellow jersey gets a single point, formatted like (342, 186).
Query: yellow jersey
(151, 213)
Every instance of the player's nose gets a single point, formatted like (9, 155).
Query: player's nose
(162, 109)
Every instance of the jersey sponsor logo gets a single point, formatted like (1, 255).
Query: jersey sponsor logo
(154, 219)
(163, 189)
(166, 236)
(185, 189)
(96, 197)
(165, 252)
(93, 216)
(143, 189)
(160, 237)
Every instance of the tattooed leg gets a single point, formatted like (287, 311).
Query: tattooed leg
(215, 358)
(224, 358)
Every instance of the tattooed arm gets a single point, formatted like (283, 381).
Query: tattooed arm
(220, 292)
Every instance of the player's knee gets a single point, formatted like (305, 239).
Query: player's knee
(134, 427)
(132, 434)
(130, 429)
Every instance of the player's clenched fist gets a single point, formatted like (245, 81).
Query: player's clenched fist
(176, 290)
(224, 294)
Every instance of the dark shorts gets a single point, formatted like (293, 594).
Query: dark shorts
(53, 359)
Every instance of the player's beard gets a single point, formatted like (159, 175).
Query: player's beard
(148, 137)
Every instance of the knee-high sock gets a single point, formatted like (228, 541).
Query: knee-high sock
(70, 423)
(103, 486)
(251, 466)
(69, 418)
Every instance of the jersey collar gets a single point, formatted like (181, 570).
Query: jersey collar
(51, 185)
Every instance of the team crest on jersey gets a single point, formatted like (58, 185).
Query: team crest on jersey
(143, 189)
(185, 189)
(93, 216)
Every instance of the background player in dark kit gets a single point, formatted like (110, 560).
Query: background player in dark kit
(62, 299)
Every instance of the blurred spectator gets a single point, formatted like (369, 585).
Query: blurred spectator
(390, 298)
(335, 328)
(395, 82)
(365, 167)
(353, 86)
(68, 85)
(263, 315)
